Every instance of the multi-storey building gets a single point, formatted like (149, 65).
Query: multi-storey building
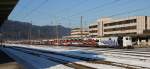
(93, 30)
(138, 27)
(78, 33)
(128, 26)
(132, 26)
(96, 29)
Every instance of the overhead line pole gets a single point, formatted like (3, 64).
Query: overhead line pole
(81, 27)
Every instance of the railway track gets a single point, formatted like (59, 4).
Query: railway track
(75, 65)
(132, 55)
(123, 52)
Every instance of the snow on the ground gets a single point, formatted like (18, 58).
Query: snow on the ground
(136, 58)
(34, 62)
(79, 53)
(64, 51)
(124, 56)
(131, 62)
(97, 66)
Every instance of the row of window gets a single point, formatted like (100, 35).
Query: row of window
(93, 31)
(94, 26)
(78, 31)
(120, 29)
(80, 34)
(121, 22)
(120, 34)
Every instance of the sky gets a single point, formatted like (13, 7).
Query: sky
(68, 12)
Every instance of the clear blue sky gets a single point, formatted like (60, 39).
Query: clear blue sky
(68, 12)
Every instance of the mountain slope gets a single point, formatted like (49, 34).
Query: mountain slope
(14, 30)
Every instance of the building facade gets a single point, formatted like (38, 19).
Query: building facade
(93, 30)
(77, 33)
(120, 27)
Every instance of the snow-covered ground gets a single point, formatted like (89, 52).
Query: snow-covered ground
(78, 61)
(64, 51)
(97, 54)
(33, 62)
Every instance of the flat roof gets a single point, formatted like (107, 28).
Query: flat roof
(6, 6)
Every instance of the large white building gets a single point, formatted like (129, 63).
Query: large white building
(135, 25)
(138, 27)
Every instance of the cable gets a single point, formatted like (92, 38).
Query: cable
(101, 6)
(129, 2)
(35, 9)
(136, 10)
(69, 8)
(74, 6)
(120, 8)
(23, 6)
(91, 9)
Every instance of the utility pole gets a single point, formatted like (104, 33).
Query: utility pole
(57, 33)
(29, 32)
(19, 36)
(81, 27)
(39, 34)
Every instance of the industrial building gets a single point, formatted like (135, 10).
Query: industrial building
(136, 26)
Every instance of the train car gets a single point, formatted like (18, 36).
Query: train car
(115, 42)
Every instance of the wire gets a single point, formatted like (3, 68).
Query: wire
(74, 6)
(130, 2)
(35, 9)
(101, 6)
(136, 10)
(91, 9)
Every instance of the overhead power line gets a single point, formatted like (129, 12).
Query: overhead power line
(132, 11)
(129, 2)
(72, 7)
(36, 8)
(101, 6)
(91, 9)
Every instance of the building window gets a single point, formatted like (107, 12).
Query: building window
(94, 26)
(120, 29)
(93, 31)
(121, 34)
(121, 22)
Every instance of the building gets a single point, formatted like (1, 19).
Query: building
(93, 30)
(127, 26)
(135, 25)
(138, 27)
(96, 29)
(76, 33)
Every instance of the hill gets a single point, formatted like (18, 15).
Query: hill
(15, 30)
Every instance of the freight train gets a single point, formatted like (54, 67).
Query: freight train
(113, 42)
